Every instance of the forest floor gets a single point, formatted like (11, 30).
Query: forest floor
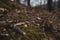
(31, 20)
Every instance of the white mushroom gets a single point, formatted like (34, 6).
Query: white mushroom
(25, 25)
(38, 18)
(24, 33)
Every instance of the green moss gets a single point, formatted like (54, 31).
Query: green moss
(32, 33)
(20, 17)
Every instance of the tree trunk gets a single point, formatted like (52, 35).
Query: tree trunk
(59, 4)
(49, 5)
(28, 2)
(18, 1)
